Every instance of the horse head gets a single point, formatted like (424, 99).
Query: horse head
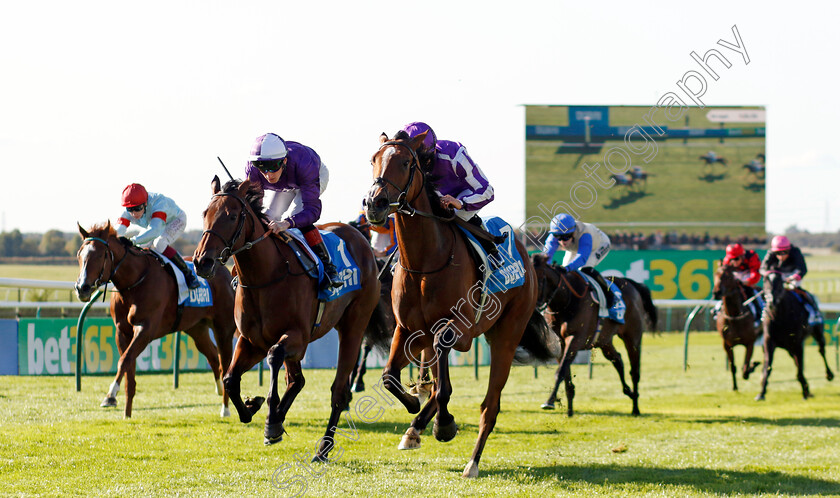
(398, 177)
(774, 289)
(725, 282)
(552, 283)
(96, 259)
(230, 220)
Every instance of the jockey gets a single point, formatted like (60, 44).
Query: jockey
(296, 175)
(787, 259)
(460, 183)
(383, 239)
(585, 245)
(163, 220)
(746, 265)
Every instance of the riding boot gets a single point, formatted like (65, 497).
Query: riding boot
(493, 256)
(812, 301)
(189, 276)
(329, 269)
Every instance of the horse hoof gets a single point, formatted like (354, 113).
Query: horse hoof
(253, 404)
(109, 402)
(225, 412)
(759, 398)
(273, 433)
(547, 406)
(358, 387)
(829, 376)
(471, 470)
(445, 433)
(410, 440)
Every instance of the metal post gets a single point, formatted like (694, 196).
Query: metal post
(590, 363)
(80, 338)
(475, 349)
(668, 313)
(261, 370)
(688, 326)
(177, 356)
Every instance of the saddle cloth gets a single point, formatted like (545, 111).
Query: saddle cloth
(346, 267)
(194, 298)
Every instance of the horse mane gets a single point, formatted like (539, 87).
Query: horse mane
(426, 158)
(106, 231)
(254, 197)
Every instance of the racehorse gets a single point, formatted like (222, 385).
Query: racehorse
(277, 304)
(624, 180)
(785, 325)
(756, 169)
(709, 161)
(433, 282)
(145, 306)
(735, 322)
(572, 313)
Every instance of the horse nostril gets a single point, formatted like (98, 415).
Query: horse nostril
(380, 203)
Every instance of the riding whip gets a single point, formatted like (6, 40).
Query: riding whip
(225, 167)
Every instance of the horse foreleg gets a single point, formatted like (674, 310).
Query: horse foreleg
(127, 364)
(730, 356)
(397, 360)
(769, 349)
(798, 355)
(445, 427)
(125, 333)
(552, 396)
(245, 356)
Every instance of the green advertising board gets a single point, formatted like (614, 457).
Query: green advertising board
(668, 274)
(48, 347)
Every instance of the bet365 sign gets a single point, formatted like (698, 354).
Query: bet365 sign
(668, 274)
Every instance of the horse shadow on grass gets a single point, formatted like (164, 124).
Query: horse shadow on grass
(758, 421)
(754, 187)
(628, 198)
(702, 480)
(710, 178)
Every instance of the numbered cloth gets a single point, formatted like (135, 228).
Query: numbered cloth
(193, 298)
(345, 265)
(512, 272)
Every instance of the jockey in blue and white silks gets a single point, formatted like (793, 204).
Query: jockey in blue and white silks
(460, 183)
(163, 220)
(585, 245)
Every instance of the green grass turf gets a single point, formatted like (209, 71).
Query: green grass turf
(695, 437)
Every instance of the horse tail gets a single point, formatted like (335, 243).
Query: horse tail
(647, 302)
(378, 333)
(539, 344)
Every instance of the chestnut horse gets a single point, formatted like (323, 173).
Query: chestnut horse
(145, 306)
(435, 278)
(785, 325)
(277, 304)
(573, 315)
(735, 322)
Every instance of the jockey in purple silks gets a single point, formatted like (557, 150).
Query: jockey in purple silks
(297, 177)
(459, 181)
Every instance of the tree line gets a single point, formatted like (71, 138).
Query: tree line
(55, 243)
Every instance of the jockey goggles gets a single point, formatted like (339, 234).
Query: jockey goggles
(564, 236)
(268, 165)
(782, 253)
(135, 209)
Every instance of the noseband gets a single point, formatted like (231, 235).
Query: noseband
(114, 267)
(228, 250)
(402, 205)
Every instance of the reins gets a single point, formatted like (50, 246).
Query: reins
(99, 282)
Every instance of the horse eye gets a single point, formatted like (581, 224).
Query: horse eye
(407, 163)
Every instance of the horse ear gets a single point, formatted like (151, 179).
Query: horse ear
(383, 138)
(417, 141)
(215, 185)
(108, 227)
(243, 187)
(82, 231)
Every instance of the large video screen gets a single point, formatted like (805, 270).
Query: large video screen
(678, 171)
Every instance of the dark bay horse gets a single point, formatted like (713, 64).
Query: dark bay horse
(785, 325)
(573, 315)
(735, 322)
(146, 306)
(277, 305)
(434, 295)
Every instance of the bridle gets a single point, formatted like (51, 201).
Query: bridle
(561, 280)
(228, 250)
(114, 267)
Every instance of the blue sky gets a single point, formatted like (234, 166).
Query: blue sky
(96, 95)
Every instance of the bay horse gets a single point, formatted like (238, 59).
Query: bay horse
(785, 325)
(145, 306)
(434, 280)
(277, 305)
(572, 313)
(735, 322)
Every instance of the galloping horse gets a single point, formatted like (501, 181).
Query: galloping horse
(735, 322)
(785, 324)
(277, 304)
(755, 168)
(145, 306)
(435, 279)
(573, 315)
(709, 161)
